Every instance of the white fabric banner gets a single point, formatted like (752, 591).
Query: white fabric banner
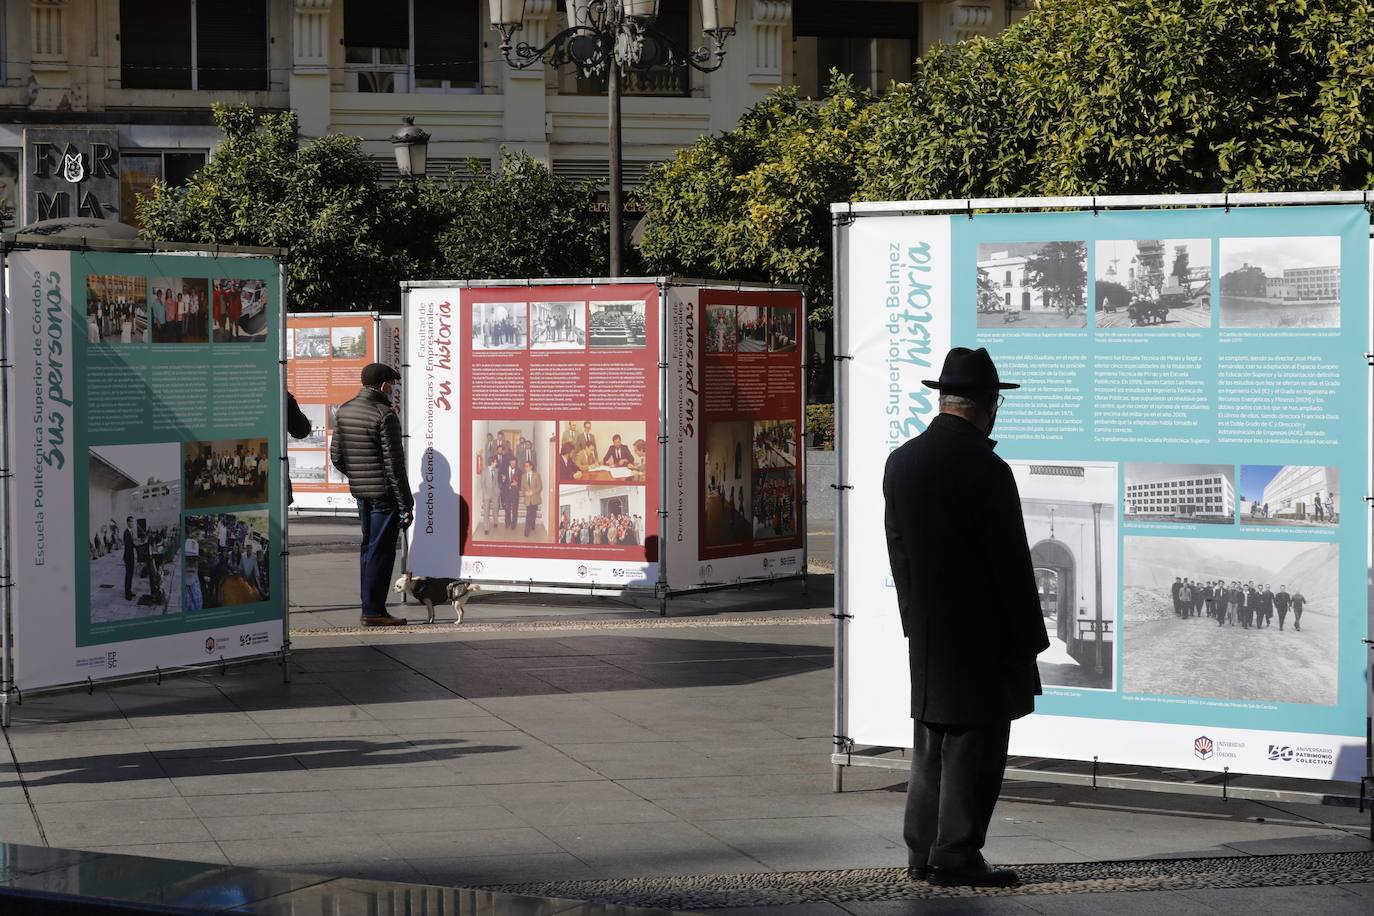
(432, 391)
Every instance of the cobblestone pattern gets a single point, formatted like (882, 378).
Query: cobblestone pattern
(869, 884)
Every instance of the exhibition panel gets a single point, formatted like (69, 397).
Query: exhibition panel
(1194, 391)
(556, 439)
(144, 431)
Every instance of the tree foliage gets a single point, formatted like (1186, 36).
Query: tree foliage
(350, 239)
(1109, 97)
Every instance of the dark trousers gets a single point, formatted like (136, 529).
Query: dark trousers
(381, 523)
(129, 578)
(956, 773)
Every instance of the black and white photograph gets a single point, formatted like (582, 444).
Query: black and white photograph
(752, 321)
(1290, 496)
(1192, 494)
(312, 343)
(1281, 282)
(180, 310)
(774, 507)
(728, 476)
(616, 324)
(592, 451)
(1033, 285)
(316, 414)
(332, 415)
(240, 311)
(721, 333)
(558, 325)
(500, 325)
(134, 529)
(1071, 524)
(782, 328)
(348, 343)
(226, 472)
(601, 515)
(306, 465)
(1153, 283)
(775, 443)
(116, 309)
(513, 480)
(228, 564)
(1252, 620)
(290, 342)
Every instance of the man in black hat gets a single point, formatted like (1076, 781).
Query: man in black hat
(368, 450)
(953, 517)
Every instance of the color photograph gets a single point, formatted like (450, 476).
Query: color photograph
(512, 484)
(728, 476)
(1281, 282)
(116, 309)
(1033, 285)
(1181, 493)
(602, 515)
(617, 324)
(1231, 619)
(180, 310)
(240, 314)
(1153, 283)
(226, 560)
(782, 329)
(227, 472)
(775, 504)
(348, 343)
(775, 443)
(602, 451)
(752, 321)
(134, 529)
(721, 333)
(1288, 496)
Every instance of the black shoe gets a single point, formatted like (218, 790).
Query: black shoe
(979, 874)
(917, 872)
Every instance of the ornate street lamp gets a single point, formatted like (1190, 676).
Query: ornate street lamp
(411, 146)
(612, 38)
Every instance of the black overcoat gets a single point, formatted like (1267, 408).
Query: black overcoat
(962, 570)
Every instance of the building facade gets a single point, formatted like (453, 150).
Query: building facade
(125, 87)
(1312, 282)
(1294, 490)
(1206, 496)
(1006, 270)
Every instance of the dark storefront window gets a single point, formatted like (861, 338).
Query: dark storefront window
(875, 42)
(138, 169)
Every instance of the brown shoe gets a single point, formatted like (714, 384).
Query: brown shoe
(383, 620)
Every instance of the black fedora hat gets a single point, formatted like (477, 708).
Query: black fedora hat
(968, 370)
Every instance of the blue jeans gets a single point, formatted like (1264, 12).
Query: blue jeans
(381, 524)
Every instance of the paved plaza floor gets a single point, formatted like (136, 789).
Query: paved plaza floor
(591, 748)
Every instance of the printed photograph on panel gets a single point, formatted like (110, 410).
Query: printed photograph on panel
(1033, 285)
(1231, 619)
(240, 311)
(602, 451)
(1070, 512)
(774, 505)
(1281, 282)
(348, 343)
(316, 414)
(601, 515)
(512, 485)
(753, 328)
(116, 309)
(312, 343)
(721, 334)
(227, 472)
(728, 477)
(1182, 493)
(226, 559)
(775, 443)
(558, 325)
(617, 324)
(782, 328)
(9, 187)
(290, 342)
(180, 310)
(499, 326)
(332, 474)
(1153, 283)
(135, 531)
(1290, 495)
(306, 465)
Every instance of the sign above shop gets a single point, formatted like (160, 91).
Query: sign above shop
(71, 172)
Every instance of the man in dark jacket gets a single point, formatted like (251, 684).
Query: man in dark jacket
(130, 557)
(953, 517)
(367, 449)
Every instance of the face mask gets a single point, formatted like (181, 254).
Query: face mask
(992, 420)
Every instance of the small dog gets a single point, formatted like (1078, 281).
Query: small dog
(431, 590)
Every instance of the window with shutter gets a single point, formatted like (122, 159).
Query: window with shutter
(377, 44)
(874, 41)
(448, 45)
(231, 44)
(155, 44)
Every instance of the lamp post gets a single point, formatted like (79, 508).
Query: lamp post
(614, 38)
(411, 146)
